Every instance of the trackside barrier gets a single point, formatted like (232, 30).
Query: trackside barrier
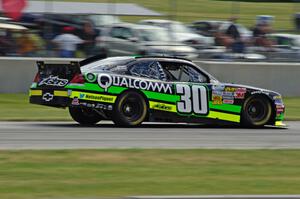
(16, 74)
(219, 197)
(281, 77)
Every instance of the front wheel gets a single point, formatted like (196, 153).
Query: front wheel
(130, 109)
(257, 112)
(84, 116)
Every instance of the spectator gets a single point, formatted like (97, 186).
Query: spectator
(25, 44)
(234, 40)
(6, 43)
(260, 35)
(67, 42)
(89, 36)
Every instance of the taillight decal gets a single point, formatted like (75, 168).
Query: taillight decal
(78, 79)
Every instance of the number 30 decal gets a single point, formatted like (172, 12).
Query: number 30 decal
(192, 99)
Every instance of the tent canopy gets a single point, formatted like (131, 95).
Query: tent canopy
(79, 8)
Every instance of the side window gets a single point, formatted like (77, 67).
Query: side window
(196, 76)
(127, 33)
(149, 69)
(183, 73)
(116, 32)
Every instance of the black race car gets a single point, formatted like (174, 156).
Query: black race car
(131, 90)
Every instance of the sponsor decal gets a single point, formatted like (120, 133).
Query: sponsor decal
(228, 101)
(220, 93)
(230, 89)
(260, 92)
(242, 90)
(216, 99)
(75, 102)
(93, 97)
(90, 77)
(228, 94)
(106, 80)
(279, 108)
(47, 97)
(104, 107)
(161, 106)
(277, 97)
(97, 106)
(53, 81)
(239, 95)
(81, 96)
(218, 87)
(101, 98)
(278, 102)
(88, 105)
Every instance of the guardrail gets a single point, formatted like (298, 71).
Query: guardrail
(17, 74)
(280, 77)
(219, 197)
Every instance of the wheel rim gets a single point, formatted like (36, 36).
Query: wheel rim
(132, 108)
(257, 110)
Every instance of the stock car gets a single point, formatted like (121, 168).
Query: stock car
(132, 90)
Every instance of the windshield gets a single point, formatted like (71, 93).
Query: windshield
(113, 64)
(153, 35)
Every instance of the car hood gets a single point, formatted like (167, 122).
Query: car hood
(250, 88)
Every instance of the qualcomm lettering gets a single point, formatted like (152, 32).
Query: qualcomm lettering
(53, 81)
(105, 81)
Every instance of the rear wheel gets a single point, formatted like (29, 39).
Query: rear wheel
(130, 109)
(84, 116)
(257, 111)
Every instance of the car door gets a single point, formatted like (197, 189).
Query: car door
(192, 86)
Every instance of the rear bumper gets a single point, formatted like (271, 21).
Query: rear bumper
(54, 98)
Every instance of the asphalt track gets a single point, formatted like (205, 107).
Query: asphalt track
(69, 135)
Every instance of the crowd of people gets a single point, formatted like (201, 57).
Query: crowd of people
(68, 43)
(233, 39)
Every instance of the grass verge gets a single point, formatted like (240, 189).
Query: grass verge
(113, 173)
(15, 107)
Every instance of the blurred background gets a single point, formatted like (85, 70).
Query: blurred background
(248, 30)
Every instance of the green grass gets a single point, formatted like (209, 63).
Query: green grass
(16, 107)
(96, 173)
(191, 10)
(292, 108)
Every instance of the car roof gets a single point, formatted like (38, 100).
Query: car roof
(164, 58)
(160, 58)
(159, 21)
(210, 21)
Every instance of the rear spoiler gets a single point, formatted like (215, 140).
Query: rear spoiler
(75, 65)
(56, 75)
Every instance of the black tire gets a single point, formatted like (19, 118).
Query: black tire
(84, 116)
(257, 112)
(130, 109)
